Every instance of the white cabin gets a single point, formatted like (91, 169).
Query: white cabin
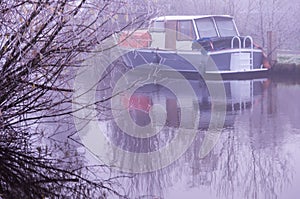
(178, 32)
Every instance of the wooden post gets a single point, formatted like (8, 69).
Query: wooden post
(272, 47)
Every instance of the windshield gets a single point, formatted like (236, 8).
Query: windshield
(226, 27)
(206, 28)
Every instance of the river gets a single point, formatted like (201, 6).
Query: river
(255, 154)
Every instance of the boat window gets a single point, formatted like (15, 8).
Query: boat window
(157, 26)
(206, 28)
(226, 27)
(185, 30)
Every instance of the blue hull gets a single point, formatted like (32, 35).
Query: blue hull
(192, 64)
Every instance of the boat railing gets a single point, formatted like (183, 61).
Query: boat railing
(242, 58)
(251, 47)
(239, 40)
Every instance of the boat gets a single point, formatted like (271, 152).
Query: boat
(240, 95)
(204, 45)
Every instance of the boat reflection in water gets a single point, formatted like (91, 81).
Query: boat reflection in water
(239, 95)
(237, 167)
(195, 116)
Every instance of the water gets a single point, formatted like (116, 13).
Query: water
(255, 154)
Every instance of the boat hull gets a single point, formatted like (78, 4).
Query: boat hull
(236, 59)
(194, 65)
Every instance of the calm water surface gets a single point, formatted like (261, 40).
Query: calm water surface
(257, 154)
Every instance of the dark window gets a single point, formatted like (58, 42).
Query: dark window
(185, 30)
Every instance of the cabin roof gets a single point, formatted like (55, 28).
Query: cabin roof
(187, 17)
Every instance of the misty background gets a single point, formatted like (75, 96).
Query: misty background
(253, 17)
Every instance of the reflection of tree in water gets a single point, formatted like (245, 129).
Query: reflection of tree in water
(249, 172)
(251, 157)
(153, 184)
(232, 170)
(248, 161)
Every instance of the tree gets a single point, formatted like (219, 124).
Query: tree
(42, 42)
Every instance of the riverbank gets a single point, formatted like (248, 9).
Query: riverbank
(285, 69)
(288, 64)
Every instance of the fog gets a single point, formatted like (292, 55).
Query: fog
(253, 17)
